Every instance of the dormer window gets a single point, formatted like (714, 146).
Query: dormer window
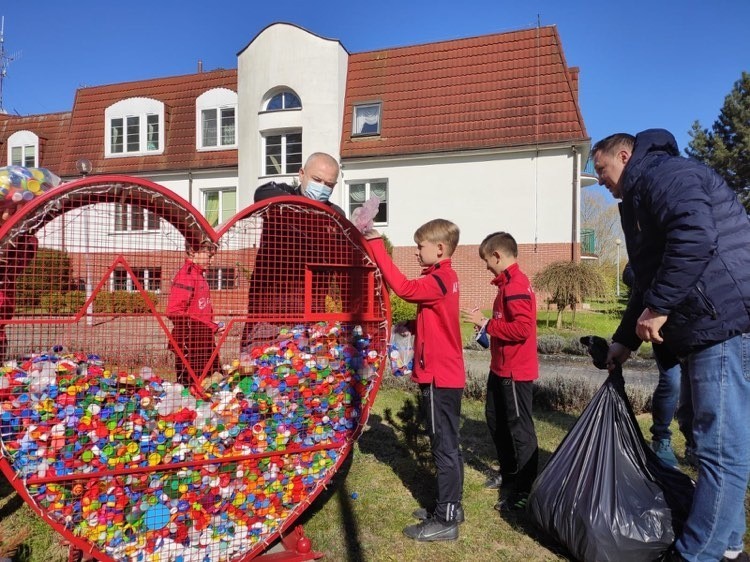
(366, 120)
(283, 101)
(216, 119)
(23, 149)
(134, 127)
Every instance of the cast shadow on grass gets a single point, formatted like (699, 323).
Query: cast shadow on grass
(13, 504)
(338, 488)
(402, 445)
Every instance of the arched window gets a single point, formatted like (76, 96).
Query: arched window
(23, 149)
(283, 101)
(216, 119)
(135, 126)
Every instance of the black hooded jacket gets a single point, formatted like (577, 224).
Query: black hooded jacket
(688, 241)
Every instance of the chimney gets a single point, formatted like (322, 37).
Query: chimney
(573, 73)
(200, 66)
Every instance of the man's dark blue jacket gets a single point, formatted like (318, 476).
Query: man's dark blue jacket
(688, 241)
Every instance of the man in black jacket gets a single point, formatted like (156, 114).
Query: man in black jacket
(688, 240)
(277, 280)
(317, 178)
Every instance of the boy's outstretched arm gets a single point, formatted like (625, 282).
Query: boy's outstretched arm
(426, 289)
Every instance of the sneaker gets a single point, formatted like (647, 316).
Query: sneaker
(432, 530)
(742, 557)
(513, 503)
(494, 482)
(422, 514)
(663, 450)
(690, 458)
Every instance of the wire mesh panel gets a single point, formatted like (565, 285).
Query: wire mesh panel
(173, 393)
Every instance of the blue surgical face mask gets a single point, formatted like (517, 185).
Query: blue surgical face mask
(318, 191)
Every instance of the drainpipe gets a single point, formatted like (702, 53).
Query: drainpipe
(576, 202)
(190, 186)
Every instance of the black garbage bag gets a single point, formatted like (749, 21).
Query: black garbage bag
(604, 494)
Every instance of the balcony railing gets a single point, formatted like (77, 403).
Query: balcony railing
(588, 241)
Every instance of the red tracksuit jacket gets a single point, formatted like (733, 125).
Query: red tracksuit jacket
(438, 350)
(512, 329)
(190, 296)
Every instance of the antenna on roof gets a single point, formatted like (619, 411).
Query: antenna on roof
(5, 60)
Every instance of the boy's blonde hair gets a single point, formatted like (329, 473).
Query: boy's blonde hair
(439, 231)
(501, 242)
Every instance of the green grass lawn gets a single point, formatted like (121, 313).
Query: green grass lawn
(361, 516)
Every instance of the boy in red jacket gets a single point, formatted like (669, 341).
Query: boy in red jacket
(192, 315)
(438, 366)
(513, 368)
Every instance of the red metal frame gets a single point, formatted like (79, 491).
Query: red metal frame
(193, 226)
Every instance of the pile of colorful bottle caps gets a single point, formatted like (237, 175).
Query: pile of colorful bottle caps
(143, 468)
(19, 184)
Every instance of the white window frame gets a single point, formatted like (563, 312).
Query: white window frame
(220, 278)
(365, 106)
(23, 140)
(220, 100)
(138, 111)
(285, 171)
(223, 192)
(130, 284)
(367, 183)
(125, 210)
(281, 92)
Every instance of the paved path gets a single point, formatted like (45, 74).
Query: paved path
(640, 372)
(637, 372)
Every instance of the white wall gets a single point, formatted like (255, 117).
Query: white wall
(529, 197)
(312, 67)
(188, 186)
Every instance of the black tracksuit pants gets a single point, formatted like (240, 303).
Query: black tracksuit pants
(441, 410)
(508, 415)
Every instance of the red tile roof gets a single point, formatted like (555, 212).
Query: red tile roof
(501, 90)
(51, 128)
(178, 93)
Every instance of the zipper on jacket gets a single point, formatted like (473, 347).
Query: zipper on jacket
(708, 303)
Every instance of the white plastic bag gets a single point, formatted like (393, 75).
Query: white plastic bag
(401, 353)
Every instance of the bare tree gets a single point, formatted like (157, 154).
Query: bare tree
(599, 213)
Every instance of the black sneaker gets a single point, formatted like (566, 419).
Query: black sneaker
(432, 530)
(513, 504)
(743, 557)
(494, 482)
(422, 514)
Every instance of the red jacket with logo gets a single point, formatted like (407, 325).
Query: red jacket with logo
(512, 328)
(438, 349)
(190, 296)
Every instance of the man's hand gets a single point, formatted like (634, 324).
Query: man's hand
(649, 324)
(617, 355)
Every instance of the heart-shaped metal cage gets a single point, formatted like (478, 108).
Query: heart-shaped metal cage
(109, 301)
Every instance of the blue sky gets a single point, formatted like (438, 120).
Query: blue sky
(656, 63)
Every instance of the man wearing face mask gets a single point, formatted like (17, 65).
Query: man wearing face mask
(277, 278)
(317, 179)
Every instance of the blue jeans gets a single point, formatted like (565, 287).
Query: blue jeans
(720, 382)
(671, 399)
